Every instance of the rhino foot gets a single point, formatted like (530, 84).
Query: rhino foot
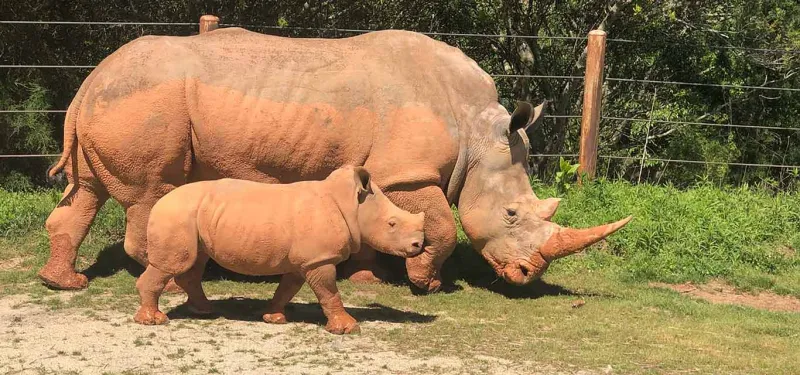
(149, 317)
(63, 277)
(342, 324)
(275, 318)
(364, 277)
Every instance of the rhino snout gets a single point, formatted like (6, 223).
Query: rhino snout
(521, 272)
(416, 246)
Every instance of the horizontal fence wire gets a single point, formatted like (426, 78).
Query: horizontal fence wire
(639, 158)
(613, 79)
(696, 123)
(698, 161)
(33, 111)
(101, 23)
(23, 156)
(511, 36)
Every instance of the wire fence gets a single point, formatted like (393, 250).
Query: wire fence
(642, 159)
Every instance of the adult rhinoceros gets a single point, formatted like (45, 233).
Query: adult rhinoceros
(421, 116)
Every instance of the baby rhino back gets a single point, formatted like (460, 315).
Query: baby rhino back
(260, 229)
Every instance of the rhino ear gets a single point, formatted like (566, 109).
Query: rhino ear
(538, 115)
(521, 117)
(362, 179)
(527, 117)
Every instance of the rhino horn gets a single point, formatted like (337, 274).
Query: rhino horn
(566, 241)
(546, 208)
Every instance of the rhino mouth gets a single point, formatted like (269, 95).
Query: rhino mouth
(520, 272)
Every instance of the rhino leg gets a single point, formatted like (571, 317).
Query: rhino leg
(322, 281)
(363, 267)
(150, 285)
(135, 245)
(424, 270)
(191, 283)
(289, 286)
(67, 226)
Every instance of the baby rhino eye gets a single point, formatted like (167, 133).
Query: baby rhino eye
(392, 223)
(511, 211)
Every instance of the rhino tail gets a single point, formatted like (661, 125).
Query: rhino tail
(70, 133)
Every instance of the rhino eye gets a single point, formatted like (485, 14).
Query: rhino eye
(511, 212)
(392, 223)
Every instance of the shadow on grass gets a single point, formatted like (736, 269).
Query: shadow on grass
(463, 265)
(249, 309)
(110, 260)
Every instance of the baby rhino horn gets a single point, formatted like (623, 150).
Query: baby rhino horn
(566, 241)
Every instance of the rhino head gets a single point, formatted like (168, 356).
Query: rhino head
(499, 211)
(384, 226)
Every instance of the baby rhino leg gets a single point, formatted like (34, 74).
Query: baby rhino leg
(171, 252)
(322, 281)
(150, 285)
(191, 283)
(289, 286)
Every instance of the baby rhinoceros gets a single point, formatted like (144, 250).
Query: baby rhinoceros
(299, 230)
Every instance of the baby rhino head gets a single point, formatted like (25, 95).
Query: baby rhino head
(384, 226)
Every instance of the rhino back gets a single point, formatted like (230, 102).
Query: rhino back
(299, 108)
(261, 229)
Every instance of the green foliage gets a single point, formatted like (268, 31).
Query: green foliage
(677, 40)
(25, 212)
(695, 234)
(566, 176)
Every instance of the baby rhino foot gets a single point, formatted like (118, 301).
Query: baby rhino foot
(342, 323)
(150, 316)
(275, 318)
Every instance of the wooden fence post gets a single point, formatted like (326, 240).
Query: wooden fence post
(592, 101)
(208, 23)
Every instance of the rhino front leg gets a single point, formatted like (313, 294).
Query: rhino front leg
(424, 270)
(67, 227)
(288, 287)
(363, 267)
(322, 281)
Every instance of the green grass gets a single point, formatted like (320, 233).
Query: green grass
(744, 237)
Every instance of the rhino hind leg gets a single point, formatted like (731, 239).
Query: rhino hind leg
(424, 270)
(67, 226)
(191, 283)
(288, 287)
(150, 285)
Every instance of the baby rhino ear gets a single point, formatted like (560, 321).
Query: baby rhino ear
(362, 181)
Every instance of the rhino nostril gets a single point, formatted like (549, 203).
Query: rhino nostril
(525, 271)
(416, 244)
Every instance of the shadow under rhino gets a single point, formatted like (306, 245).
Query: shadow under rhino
(250, 309)
(463, 265)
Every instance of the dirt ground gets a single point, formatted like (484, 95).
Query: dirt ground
(717, 291)
(35, 339)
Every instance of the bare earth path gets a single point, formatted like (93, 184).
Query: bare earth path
(35, 340)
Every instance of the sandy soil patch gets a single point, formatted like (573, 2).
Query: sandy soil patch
(12, 264)
(717, 291)
(36, 340)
